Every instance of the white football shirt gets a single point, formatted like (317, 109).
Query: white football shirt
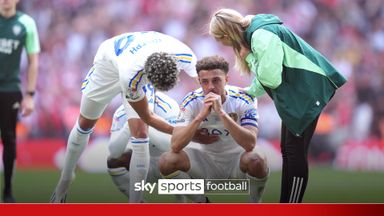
(239, 105)
(127, 53)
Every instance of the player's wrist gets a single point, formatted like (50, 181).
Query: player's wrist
(199, 118)
(170, 130)
(30, 93)
(221, 113)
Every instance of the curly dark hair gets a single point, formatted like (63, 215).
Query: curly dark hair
(161, 70)
(211, 63)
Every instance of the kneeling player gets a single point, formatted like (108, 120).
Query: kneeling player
(220, 110)
(120, 154)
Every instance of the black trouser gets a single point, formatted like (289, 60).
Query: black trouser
(294, 150)
(9, 107)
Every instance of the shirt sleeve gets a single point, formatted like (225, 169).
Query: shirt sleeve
(185, 116)
(249, 115)
(187, 62)
(133, 86)
(187, 109)
(32, 43)
(255, 89)
(266, 59)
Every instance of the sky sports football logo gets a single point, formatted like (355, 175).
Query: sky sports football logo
(195, 186)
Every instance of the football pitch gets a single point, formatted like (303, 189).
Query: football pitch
(326, 185)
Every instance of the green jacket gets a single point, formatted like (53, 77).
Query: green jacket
(16, 32)
(298, 78)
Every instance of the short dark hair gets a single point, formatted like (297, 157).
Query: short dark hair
(161, 70)
(211, 63)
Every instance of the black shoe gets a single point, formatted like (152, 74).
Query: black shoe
(206, 200)
(9, 199)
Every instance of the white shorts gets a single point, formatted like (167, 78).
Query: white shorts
(209, 166)
(99, 87)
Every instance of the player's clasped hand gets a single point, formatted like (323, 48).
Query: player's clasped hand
(214, 100)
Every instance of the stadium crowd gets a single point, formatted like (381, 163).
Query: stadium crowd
(349, 33)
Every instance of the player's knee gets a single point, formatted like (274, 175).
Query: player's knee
(8, 137)
(123, 161)
(85, 123)
(138, 128)
(140, 134)
(254, 163)
(168, 162)
(9, 150)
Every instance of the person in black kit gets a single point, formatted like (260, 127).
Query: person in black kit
(18, 30)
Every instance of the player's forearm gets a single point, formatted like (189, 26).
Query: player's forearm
(32, 72)
(141, 107)
(160, 124)
(183, 135)
(244, 137)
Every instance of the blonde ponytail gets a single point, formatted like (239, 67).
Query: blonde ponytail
(246, 21)
(230, 23)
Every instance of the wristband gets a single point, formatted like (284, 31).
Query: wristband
(31, 93)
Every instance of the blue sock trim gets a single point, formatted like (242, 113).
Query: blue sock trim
(83, 131)
(139, 140)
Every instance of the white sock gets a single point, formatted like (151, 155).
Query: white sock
(197, 198)
(257, 187)
(77, 141)
(120, 177)
(139, 166)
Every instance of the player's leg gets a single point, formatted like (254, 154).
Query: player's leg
(10, 103)
(139, 141)
(181, 165)
(77, 140)
(294, 150)
(120, 135)
(170, 163)
(139, 166)
(119, 159)
(173, 166)
(118, 164)
(118, 141)
(100, 86)
(118, 169)
(255, 165)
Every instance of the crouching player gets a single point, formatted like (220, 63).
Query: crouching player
(120, 154)
(225, 111)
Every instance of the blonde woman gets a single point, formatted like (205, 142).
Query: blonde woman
(298, 79)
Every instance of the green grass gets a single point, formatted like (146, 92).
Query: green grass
(326, 185)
